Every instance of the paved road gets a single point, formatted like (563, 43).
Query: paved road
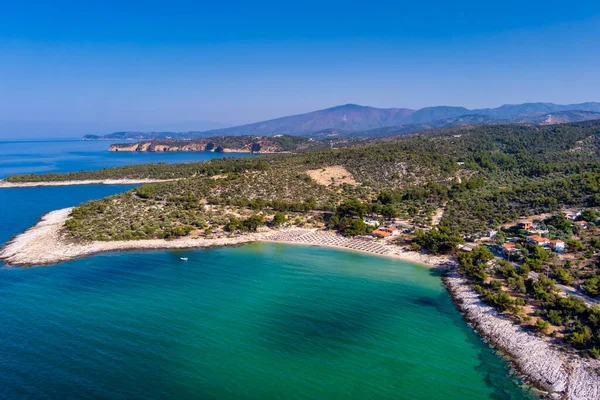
(566, 290)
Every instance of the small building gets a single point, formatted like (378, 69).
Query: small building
(557, 245)
(492, 234)
(538, 232)
(572, 215)
(386, 232)
(509, 248)
(582, 224)
(468, 247)
(536, 239)
(371, 222)
(525, 225)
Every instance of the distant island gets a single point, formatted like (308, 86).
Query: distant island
(511, 210)
(354, 121)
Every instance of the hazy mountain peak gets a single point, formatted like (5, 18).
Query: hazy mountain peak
(351, 118)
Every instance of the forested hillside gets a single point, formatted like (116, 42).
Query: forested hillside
(484, 176)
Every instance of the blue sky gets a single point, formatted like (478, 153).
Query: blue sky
(69, 67)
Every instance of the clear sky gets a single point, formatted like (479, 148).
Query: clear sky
(74, 67)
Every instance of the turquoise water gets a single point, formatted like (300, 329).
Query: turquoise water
(261, 321)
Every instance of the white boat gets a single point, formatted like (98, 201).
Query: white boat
(184, 258)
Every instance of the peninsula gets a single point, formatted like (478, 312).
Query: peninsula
(516, 207)
(225, 144)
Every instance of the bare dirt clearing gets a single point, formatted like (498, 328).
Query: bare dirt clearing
(335, 175)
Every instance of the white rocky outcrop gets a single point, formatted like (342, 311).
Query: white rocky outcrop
(561, 374)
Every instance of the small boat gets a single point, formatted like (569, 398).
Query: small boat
(184, 258)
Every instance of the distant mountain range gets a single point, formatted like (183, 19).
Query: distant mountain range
(352, 120)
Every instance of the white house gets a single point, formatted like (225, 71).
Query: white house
(557, 245)
(371, 222)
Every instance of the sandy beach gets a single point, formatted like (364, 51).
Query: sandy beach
(561, 374)
(332, 240)
(46, 243)
(7, 185)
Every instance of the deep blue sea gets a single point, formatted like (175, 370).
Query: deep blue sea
(27, 156)
(261, 321)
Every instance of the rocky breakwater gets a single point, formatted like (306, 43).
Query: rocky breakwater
(562, 375)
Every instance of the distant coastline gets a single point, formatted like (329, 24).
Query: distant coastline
(223, 144)
(7, 185)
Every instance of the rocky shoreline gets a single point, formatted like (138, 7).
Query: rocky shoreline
(560, 374)
(6, 185)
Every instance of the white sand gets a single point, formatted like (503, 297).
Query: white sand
(6, 185)
(46, 243)
(331, 239)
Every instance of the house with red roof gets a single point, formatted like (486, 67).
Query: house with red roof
(386, 232)
(509, 248)
(582, 224)
(537, 239)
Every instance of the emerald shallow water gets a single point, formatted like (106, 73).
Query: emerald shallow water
(257, 321)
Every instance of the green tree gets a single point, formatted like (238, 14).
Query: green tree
(252, 223)
(541, 325)
(279, 219)
(592, 286)
(233, 225)
(574, 245)
(353, 227)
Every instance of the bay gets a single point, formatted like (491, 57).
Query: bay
(258, 321)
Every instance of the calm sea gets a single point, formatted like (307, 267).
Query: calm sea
(27, 156)
(261, 321)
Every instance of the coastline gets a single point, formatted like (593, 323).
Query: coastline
(7, 185)
(45, 243)
(560, 374)
(321, 239)
(115, 149)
